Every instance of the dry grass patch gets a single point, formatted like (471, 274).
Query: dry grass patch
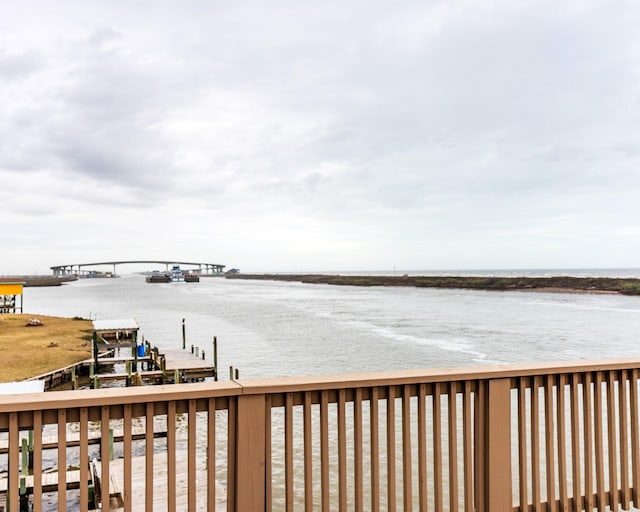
(27, 351)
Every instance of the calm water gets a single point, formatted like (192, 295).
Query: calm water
(276, 328)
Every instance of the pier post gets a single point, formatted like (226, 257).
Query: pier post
(215, 358)
(95, 349)
(496, 420)
(135, 357)
(250, 450)
(184, 336)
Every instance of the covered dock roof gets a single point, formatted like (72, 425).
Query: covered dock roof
(120, 324)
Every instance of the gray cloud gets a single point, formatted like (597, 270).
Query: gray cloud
(375, 131)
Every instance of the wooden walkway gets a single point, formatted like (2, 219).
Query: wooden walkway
(171, 366)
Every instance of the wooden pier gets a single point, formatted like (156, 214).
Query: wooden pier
(171, 366)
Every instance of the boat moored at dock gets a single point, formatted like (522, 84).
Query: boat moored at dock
(158, 277)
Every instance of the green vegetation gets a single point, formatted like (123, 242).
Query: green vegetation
(557, 283)
(630, 288)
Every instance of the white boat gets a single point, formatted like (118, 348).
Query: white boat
(176, 274)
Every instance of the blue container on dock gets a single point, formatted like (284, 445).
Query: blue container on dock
(141, 350)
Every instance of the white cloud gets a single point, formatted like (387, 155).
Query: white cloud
(289, 136)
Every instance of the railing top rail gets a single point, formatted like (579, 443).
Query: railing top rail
(173, 392)
(116, 396)
(404, 377)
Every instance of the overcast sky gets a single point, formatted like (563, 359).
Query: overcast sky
(333, 135)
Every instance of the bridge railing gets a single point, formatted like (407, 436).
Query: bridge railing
(519, 437)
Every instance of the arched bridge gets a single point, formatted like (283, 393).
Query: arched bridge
(81, 268)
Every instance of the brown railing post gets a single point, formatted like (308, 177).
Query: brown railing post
(251, 442)
(497, 463)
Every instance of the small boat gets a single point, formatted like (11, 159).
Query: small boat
(191, 277)
(158, 277)
(176, 274)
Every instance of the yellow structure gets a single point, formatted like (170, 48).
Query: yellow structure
(9, 293)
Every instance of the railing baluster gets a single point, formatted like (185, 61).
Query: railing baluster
(611, 435)
(635, 438)
(407, 493)
(308, 454)
(232, 446)
(599, 434)
(624, 437)
(268, 468)
(375, 449)
(13, 482)
(391, 449)
(37, 462)
(148, 457)
(549, 444)
(191, 456)
(562, 450)
(422, 448)
(468, 455)
(522, 445)
(105, 481)
(437, 449)
(535, 443)
(62, 460)
(324, 450)
(587, 398)
(575, 443)
(211, 455)
(453, 446)
(171, 456)
(357, 445)
(342, 452)
(480, 404)
(128, 455)
(288, 451)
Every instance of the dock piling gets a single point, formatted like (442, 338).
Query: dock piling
(184, 336)
(215, 358)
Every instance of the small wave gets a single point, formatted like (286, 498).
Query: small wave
(460, 345)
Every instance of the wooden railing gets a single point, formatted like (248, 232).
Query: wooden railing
(520, 437)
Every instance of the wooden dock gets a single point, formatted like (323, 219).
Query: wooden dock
(170, 366)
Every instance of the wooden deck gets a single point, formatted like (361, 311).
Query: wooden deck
(169, 366)
(160, 494)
